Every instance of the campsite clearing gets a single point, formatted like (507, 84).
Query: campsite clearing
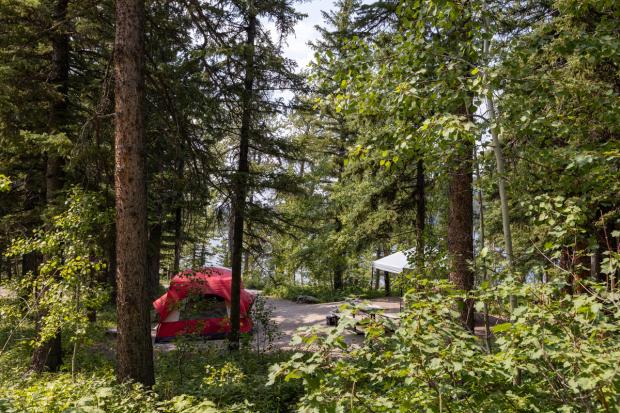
(290, 316)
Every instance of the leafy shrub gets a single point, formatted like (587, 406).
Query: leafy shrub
(213, 383)
(66, 287)
(232, 382)
(50, 393)
(559, 353)
(194, 377)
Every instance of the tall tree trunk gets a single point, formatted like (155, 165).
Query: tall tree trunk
(339, 276)
(460, 186)
(58, 116)
(386, 275)
(195, 255)
(460, 225)
(229, 244)
(154, 259)
(377, 273)
(241, 179)
(566, 264)
(203, 255)
(134, 349)
(388, 283)
(340, 266)
(246, 264)
(178, 216)
(501, 178)
(48, 356)
(420, 218)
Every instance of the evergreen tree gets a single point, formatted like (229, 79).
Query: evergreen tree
(134, 348)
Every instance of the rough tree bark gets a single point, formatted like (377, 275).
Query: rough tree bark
(241, 179)
(134, 353)
(340, 265)
(460, 184)
(460, 224)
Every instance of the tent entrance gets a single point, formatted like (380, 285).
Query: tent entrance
(202, 306)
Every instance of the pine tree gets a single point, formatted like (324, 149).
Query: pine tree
(338, 134)
(134, 347)
(48, 355)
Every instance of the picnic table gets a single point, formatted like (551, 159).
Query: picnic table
(365, 310)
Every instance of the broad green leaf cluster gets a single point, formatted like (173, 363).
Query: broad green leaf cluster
(562, 348)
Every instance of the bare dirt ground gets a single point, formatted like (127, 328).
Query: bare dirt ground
(4, 293)
(291, 316)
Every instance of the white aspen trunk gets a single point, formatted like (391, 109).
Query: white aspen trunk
(501, 180)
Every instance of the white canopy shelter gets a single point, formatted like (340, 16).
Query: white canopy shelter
(394, 263)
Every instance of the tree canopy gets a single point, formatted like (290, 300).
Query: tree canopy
(142, 138)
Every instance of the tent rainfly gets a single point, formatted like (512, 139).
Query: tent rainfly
(198, 302)
(394, 263)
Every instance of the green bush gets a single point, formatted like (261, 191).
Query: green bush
(559, 353)
(48, 393)
(208, 382)
(230, 381)
(192, 377)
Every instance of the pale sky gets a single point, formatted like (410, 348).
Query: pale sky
(305, 31)
(297, 48)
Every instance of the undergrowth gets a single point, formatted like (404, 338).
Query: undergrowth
(191, 376)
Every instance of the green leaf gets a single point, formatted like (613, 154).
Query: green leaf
(500, 328)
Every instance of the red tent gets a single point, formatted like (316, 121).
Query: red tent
(198, 302)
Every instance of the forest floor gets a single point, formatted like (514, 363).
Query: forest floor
(291, 316)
